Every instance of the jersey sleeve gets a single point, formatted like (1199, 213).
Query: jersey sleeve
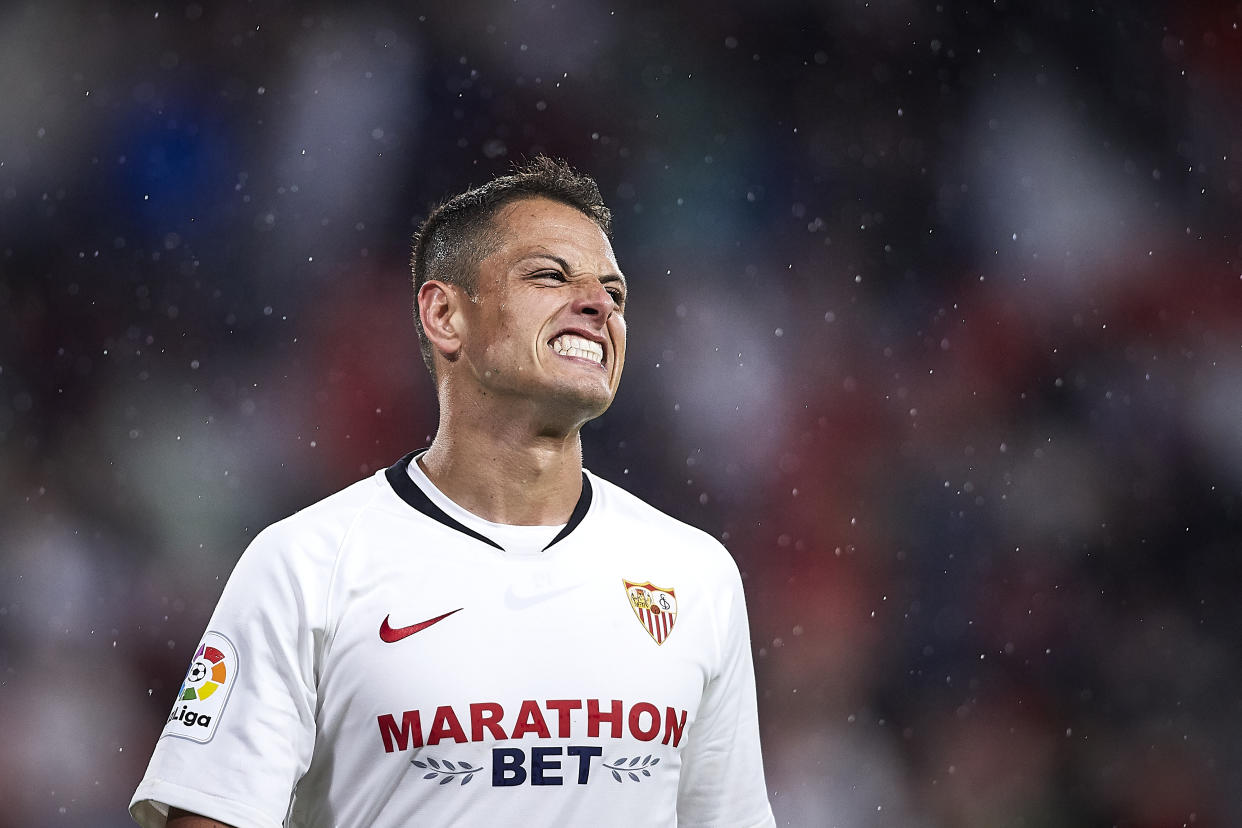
(722, 781)
(241, 730)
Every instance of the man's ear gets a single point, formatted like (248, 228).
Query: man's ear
(439, 307)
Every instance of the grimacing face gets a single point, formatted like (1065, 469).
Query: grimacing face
(547, 323)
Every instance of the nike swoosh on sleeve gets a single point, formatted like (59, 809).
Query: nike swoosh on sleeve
(391, 636)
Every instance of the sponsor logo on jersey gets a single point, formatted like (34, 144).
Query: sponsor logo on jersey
(200, 700)
(549, 719)
(545, 766)
(489, 722)
(654, 607)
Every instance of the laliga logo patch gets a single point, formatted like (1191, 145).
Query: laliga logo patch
(200, 701)
(655, 607)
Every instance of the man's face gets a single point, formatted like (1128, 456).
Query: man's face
(547, 324)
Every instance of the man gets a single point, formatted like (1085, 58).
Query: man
(484, 633)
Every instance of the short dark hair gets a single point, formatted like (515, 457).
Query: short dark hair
(458, 235)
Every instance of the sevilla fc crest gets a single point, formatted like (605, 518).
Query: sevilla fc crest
(655, 607)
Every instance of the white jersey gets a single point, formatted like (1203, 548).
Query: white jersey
(376, 661)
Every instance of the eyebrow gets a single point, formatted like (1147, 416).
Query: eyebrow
(607, 278)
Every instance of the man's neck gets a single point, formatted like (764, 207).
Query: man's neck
(507, 477)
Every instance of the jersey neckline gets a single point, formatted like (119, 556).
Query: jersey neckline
(399, 479)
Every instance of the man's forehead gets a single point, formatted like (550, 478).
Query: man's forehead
(571, 235)
(545, 215)
(568, 260)
(537, 227)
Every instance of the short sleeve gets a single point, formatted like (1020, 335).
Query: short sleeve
(722, 781)
(240, 732)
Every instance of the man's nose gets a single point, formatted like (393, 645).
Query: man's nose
(593, 299)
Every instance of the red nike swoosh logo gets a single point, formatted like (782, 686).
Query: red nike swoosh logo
(391, 636)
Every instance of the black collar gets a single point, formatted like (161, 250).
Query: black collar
(399, 478)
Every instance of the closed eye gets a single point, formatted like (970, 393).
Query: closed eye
(614, 289)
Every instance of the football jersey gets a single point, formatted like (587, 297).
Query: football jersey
(378, 660)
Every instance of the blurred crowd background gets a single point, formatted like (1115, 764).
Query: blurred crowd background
(936, 320)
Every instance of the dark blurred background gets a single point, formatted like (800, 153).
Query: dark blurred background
(936, 320)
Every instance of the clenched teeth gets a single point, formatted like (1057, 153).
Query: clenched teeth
(577, 346)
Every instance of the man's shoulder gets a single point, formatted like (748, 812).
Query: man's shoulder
(345, 503)
(325, 523)
(627, 506)
(643, 533)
